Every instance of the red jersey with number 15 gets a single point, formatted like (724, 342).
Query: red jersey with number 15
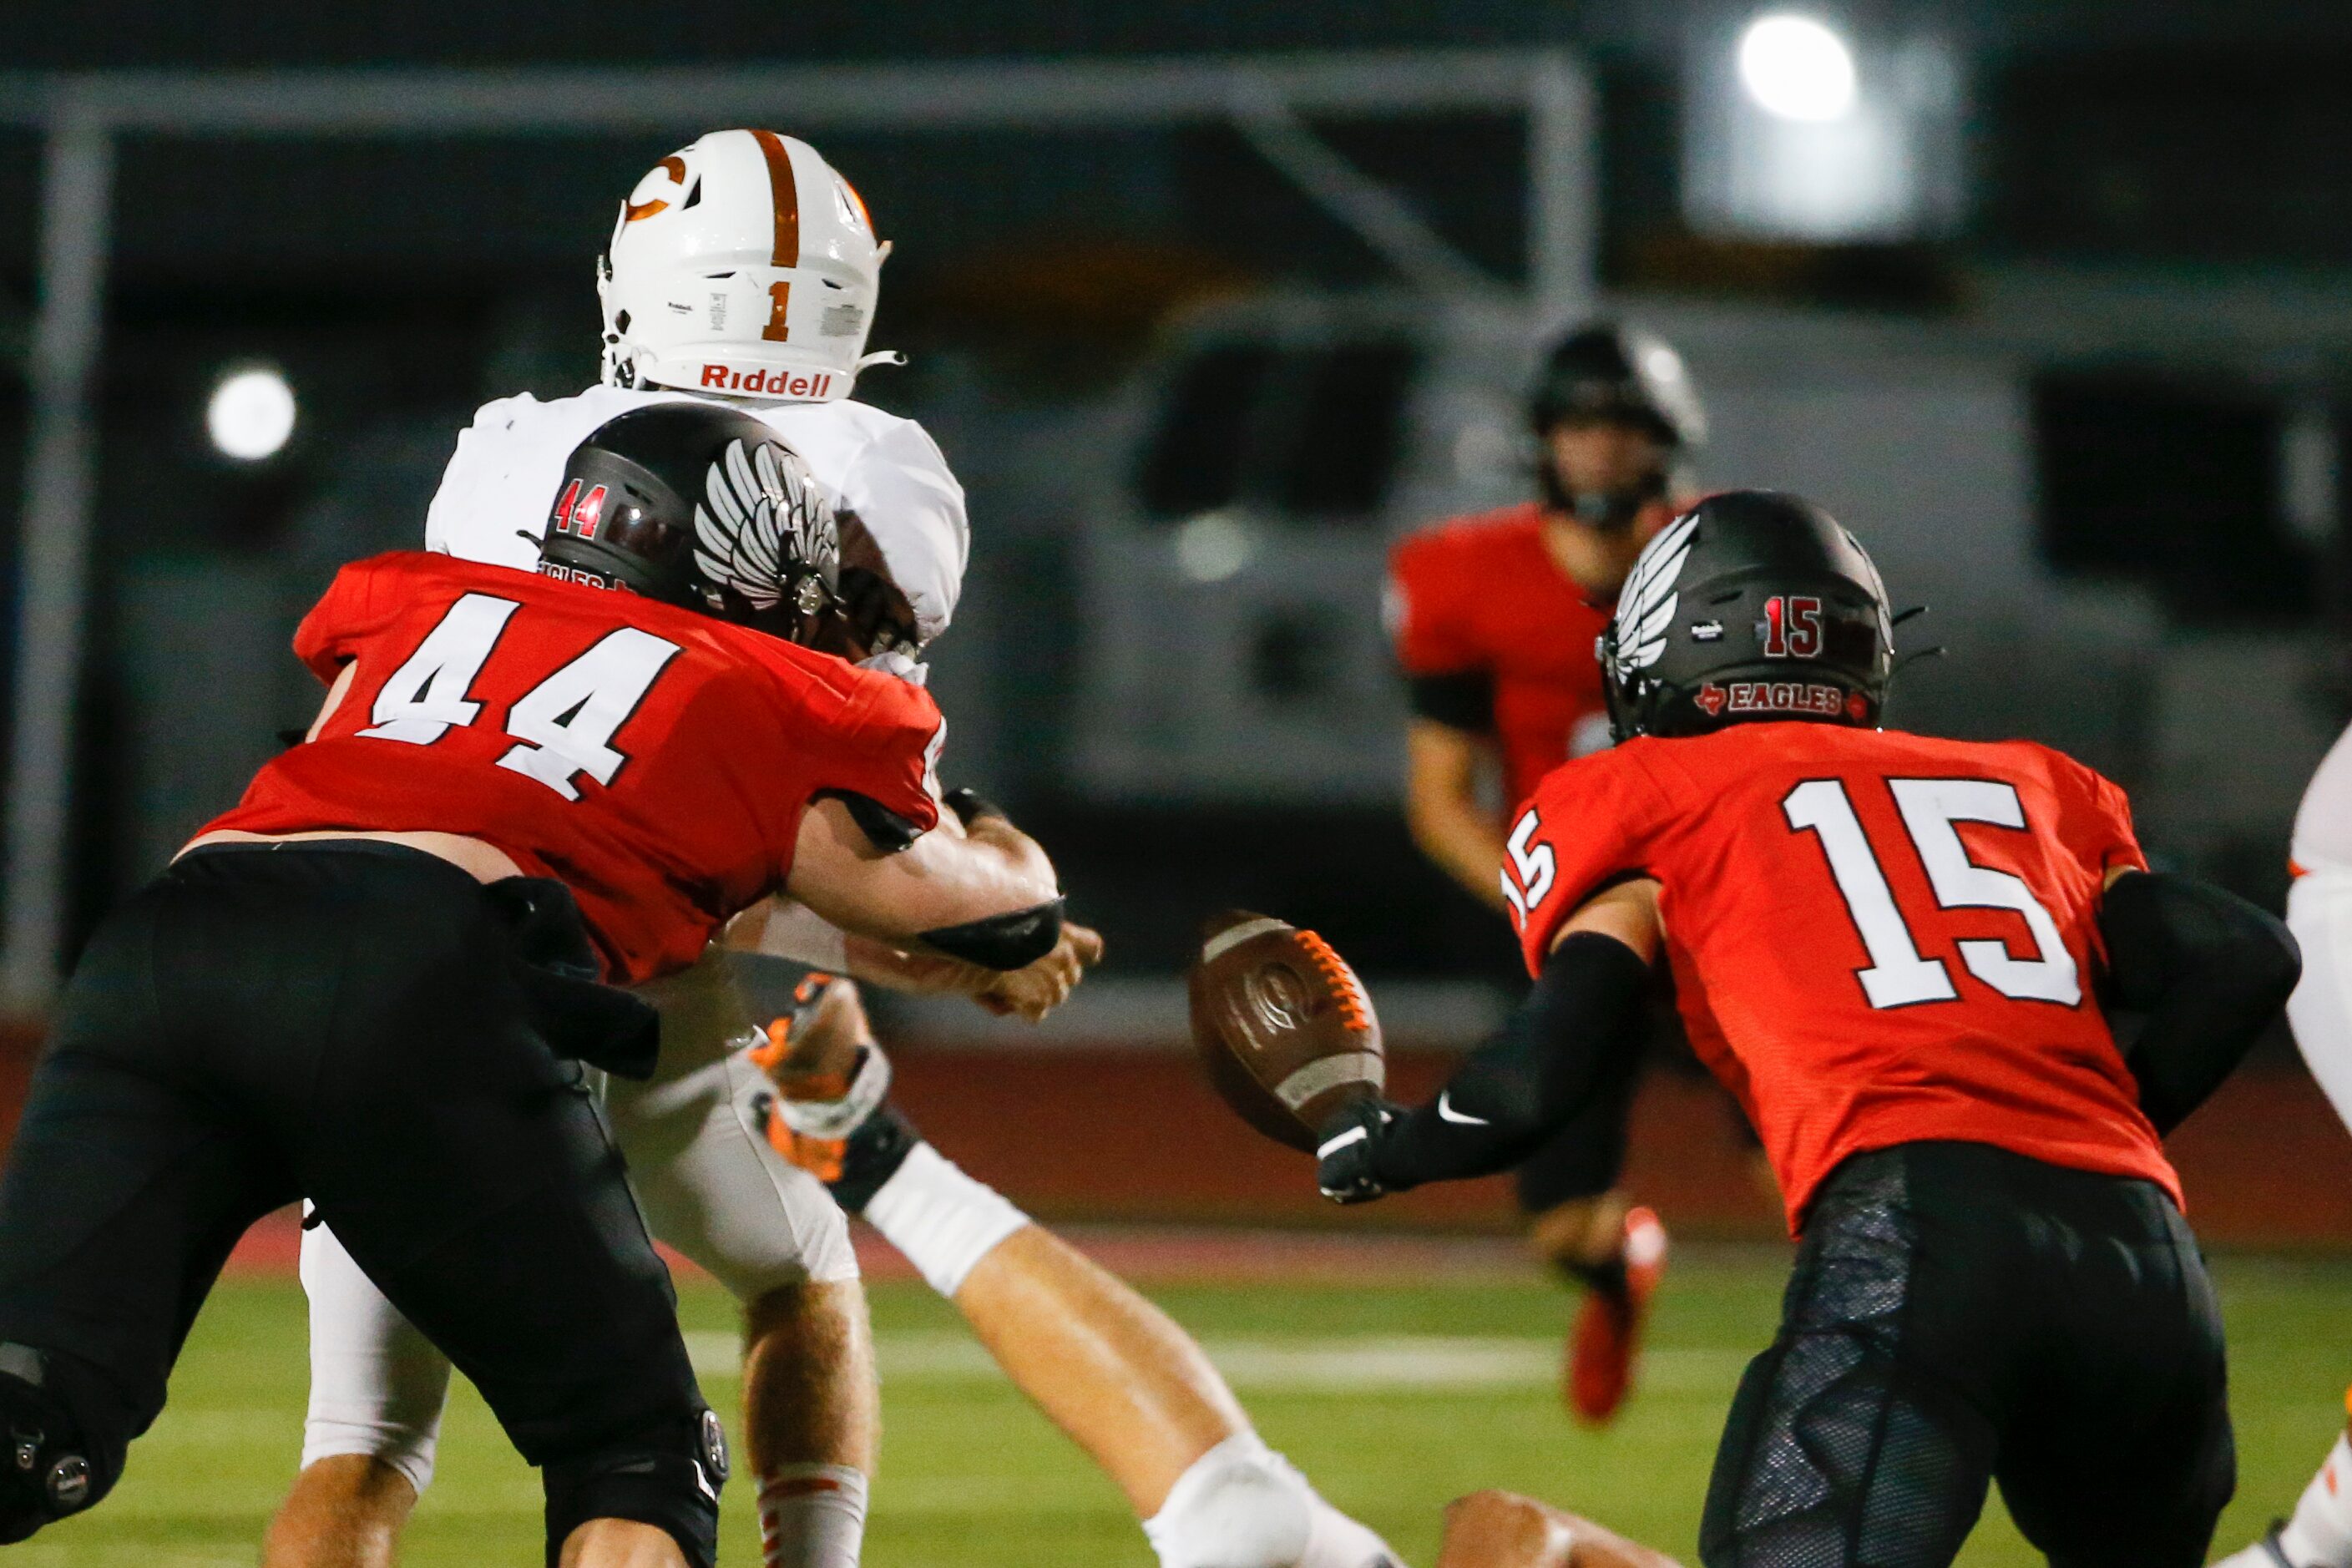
(655, 760)
(1877, 938)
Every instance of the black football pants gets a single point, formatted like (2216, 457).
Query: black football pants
(1961, 1315)
(344, 1023)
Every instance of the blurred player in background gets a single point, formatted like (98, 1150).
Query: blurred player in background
(1116, 1374)
(1898, 952)
(1494, 618)
(742, 272)
(2319, 913)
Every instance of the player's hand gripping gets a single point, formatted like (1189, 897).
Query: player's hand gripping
(1037, 989)
(1345, 1152)
(1030, 993)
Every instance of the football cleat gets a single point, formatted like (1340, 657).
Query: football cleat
(1605, 1345)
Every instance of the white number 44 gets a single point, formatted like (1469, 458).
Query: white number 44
(564, 727)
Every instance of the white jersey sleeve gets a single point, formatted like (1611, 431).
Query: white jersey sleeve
(2323, 826)
(502, 482)
(889, 472)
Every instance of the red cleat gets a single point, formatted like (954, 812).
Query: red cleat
(1606, 1343)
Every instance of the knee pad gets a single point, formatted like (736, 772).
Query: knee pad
(65, 1442)
(668, 1477)
(1240, 1506)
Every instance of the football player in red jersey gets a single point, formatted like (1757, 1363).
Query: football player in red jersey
(1495, 617)
(1899, 952)
(374, 983)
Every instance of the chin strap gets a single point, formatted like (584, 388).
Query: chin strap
(879, 356)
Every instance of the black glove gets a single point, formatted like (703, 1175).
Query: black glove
(1345, 1151)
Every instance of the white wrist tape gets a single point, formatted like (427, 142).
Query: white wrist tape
(943, 1221)
(869, 1087)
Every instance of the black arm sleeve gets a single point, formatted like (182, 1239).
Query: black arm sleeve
(1464, 700)
(884, 828)
(1532, 1075)
(2209, 969)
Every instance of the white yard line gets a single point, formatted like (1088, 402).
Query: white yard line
(1440, 1364)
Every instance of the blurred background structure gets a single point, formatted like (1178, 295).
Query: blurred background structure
(1208, 305)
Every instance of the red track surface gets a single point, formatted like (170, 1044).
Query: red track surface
(1128, 1135)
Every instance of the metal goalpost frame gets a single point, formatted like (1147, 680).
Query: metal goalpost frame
(83, 116)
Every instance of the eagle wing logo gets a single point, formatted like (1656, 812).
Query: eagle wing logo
(1645, 610)
(763, 517)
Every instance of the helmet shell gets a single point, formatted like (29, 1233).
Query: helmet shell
(699, 506)
(1751, 605)
(742, 265)
(1606, 371)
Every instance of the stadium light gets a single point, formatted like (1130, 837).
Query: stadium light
(1212, 547)
(1796, 68)
(250, 416)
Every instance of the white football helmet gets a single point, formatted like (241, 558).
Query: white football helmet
(744, 266)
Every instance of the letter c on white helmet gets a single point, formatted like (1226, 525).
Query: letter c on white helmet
(743, 266)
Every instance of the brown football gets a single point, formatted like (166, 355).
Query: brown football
(1282, 1025)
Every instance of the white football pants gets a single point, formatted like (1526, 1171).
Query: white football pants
(709, 1185)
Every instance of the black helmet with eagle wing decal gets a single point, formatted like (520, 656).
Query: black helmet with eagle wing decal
(702, 506)
(1751, 605)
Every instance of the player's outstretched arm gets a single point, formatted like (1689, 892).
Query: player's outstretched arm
(2210, 971)
(1533, 1074)
(985, 893)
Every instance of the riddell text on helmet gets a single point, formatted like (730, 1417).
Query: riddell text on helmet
(779, 382)
(1776, 697)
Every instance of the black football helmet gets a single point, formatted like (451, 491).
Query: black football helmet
(702, 506)
(1606, 373)
(1751, 605)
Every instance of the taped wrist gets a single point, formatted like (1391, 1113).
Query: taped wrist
(669, 1480)
(1550, 1056)
(1003, 942)
(2210, 971)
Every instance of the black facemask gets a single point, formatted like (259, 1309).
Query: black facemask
(1609, 511)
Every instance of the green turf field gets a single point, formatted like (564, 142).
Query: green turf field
(1460, 1398)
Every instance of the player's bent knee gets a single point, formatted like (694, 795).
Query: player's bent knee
(1240, 1506)
(668, 1477)
(66, 1437)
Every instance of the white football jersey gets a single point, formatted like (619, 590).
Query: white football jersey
(2322, 826)
(500, 484)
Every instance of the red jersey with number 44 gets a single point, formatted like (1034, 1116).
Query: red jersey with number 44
(655, 760)
(1877, 938)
